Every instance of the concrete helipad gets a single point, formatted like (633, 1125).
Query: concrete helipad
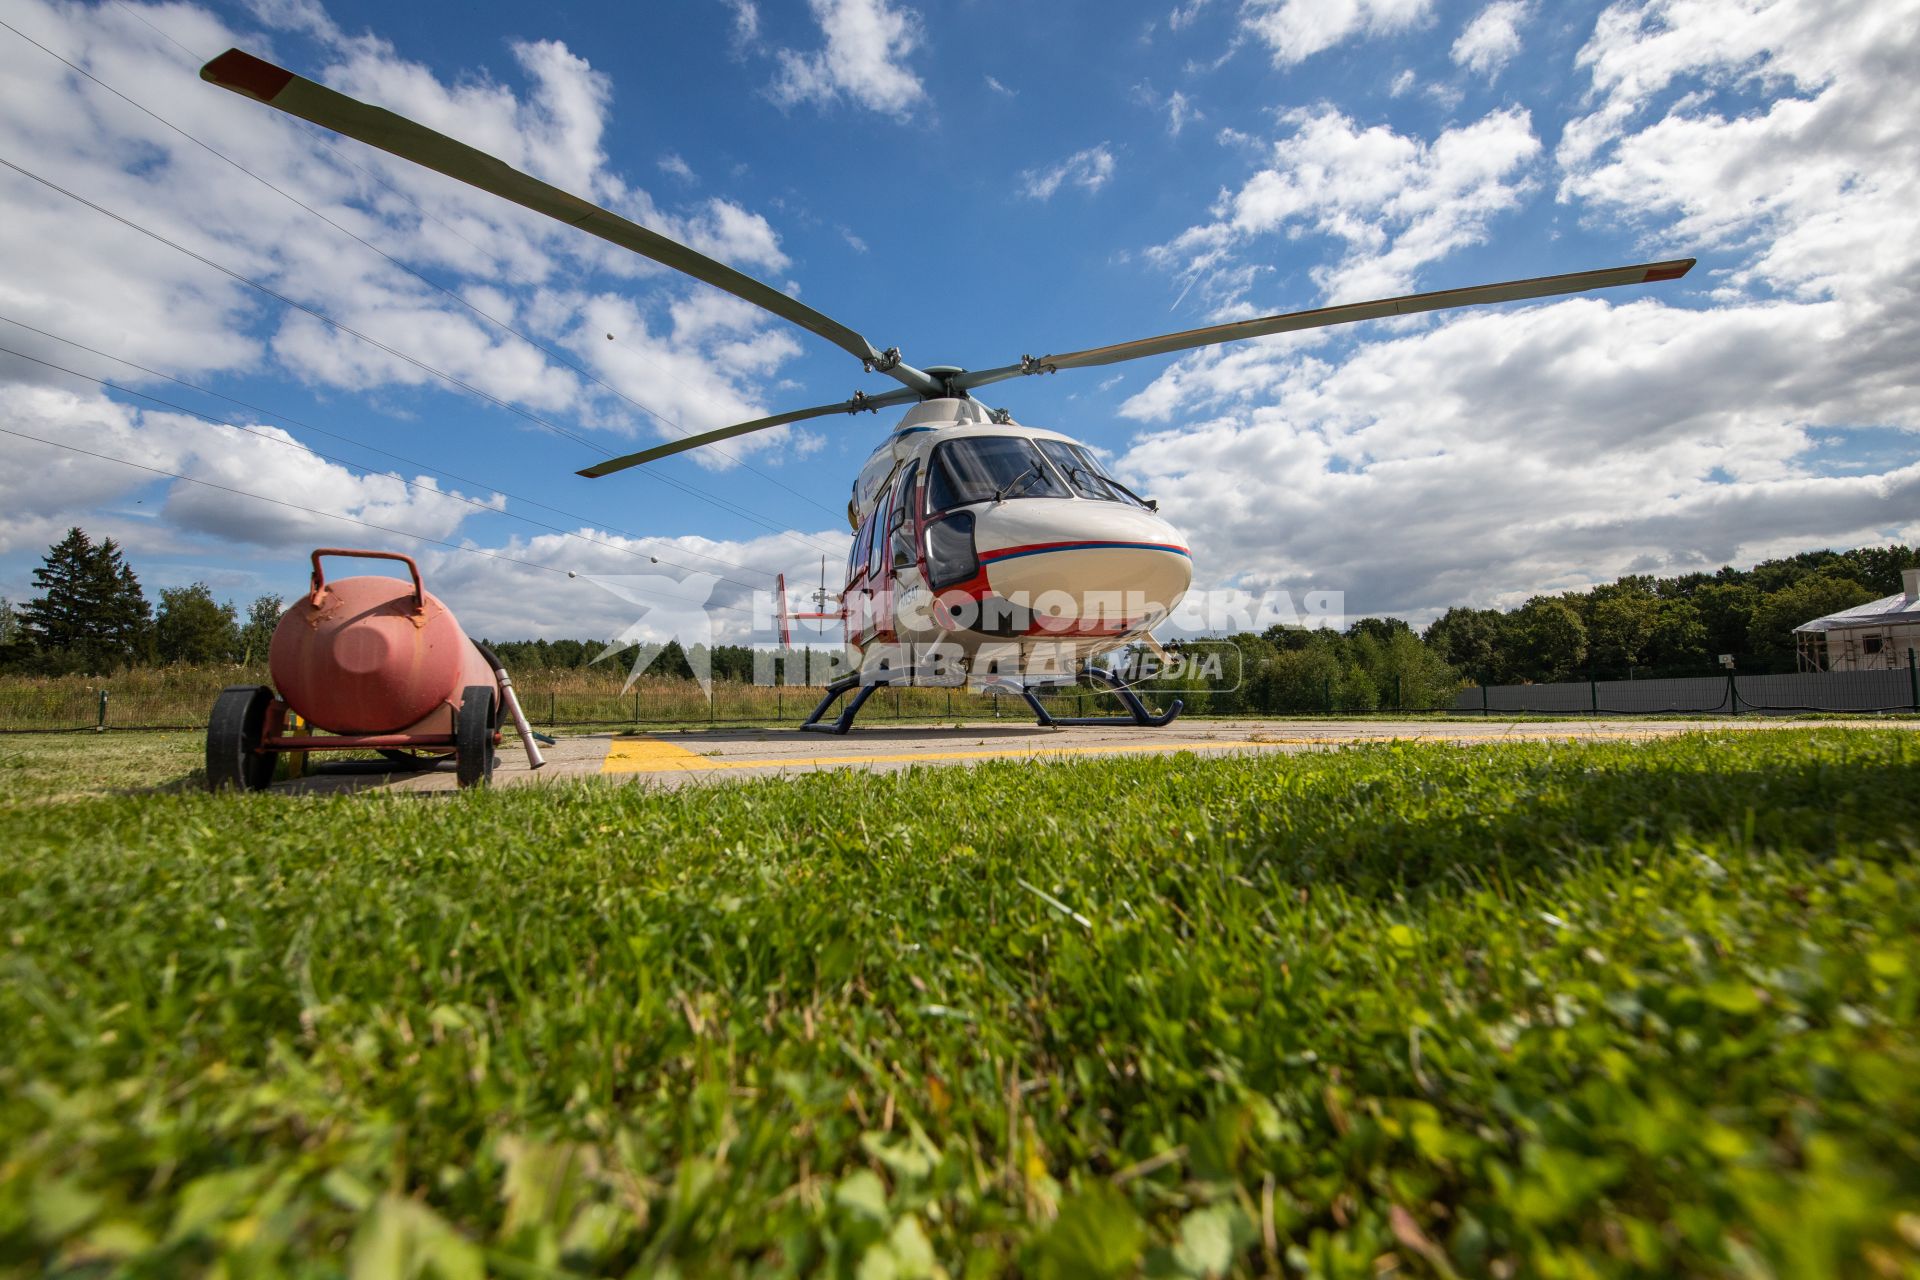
(674, 757)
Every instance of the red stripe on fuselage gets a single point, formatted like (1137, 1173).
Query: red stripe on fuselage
(1039, 548)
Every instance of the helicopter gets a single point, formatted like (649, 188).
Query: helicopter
(985, 551)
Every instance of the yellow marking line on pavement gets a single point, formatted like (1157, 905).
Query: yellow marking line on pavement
(678, 760)
(652, 755)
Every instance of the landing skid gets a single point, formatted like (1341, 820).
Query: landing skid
(1137, 713)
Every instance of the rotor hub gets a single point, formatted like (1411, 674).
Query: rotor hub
(944, 374)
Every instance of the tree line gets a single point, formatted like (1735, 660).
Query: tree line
(1640, 626)
(728, 661)
(90, 614)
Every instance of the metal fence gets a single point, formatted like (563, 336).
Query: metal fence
(64, 706)
(1859, 691)
(52, 706)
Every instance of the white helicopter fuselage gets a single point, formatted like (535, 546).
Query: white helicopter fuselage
(984, 541)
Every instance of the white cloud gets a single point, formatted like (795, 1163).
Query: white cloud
(495, 598)
(554, 133)
(1183, 15)
(1089, 170)
(674, 165)
(1179, 107)
(48, 483)
(493, 585)
(1492, 39)
(1395, 203)
(76, 273)
(746, 21)
(1295, 30)
(1494, 454)
(296, 15)
(730, 233)
(689, 353)
(1503, 451)
(868, 43)
(1821, 181)
(1181, 112)
(1402, 83)
(993, 83)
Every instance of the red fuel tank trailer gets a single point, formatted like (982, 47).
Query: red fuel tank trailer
(371, 663)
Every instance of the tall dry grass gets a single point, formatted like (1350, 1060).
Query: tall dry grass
(182, 696)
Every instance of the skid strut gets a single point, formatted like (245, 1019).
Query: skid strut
(844, 721)
(1137, 713)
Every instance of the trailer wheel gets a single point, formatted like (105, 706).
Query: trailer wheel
(473, 736)
(233, 734)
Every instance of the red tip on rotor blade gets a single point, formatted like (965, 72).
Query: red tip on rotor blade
(240, 71)
(1669, 273)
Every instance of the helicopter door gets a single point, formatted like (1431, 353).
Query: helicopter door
(903, 542)
(879, 580)
(853, 596)
(866, 578)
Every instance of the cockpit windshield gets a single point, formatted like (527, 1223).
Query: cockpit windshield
(1084, 473)
(988, 469)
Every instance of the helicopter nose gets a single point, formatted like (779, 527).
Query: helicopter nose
(1085, 566)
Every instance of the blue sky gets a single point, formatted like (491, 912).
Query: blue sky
(971, 182)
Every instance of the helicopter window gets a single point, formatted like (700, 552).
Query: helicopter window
(901, 526)
(986, 469)
(1084, 474)
(857, 558)
(877, 538)
(951, 556)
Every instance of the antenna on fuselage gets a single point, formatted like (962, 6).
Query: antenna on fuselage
(821, 596)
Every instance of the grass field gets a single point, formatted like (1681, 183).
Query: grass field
(1622, 1009)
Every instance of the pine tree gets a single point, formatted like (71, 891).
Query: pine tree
(90, 614)
(126, 618)
(56, 620)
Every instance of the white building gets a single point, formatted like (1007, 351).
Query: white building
(1868, 637)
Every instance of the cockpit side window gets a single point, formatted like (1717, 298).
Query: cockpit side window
(900, 523)
(877, 537)
(1084, 473)
(857, 556)
(989, 468)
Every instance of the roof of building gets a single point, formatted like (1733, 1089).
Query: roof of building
(1898, 607)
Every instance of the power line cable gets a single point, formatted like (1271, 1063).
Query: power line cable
(317, 134)
(333, 515)
(535, 343)
(527, 414)
(386, 453)
(312, 452)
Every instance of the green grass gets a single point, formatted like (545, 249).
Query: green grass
(41, 767)
(1620, 1009)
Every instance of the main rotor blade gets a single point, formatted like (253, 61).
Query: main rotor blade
(1348, 313)
(671, 447)
(296, 95)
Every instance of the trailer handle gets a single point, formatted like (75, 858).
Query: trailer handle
(320, 582)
